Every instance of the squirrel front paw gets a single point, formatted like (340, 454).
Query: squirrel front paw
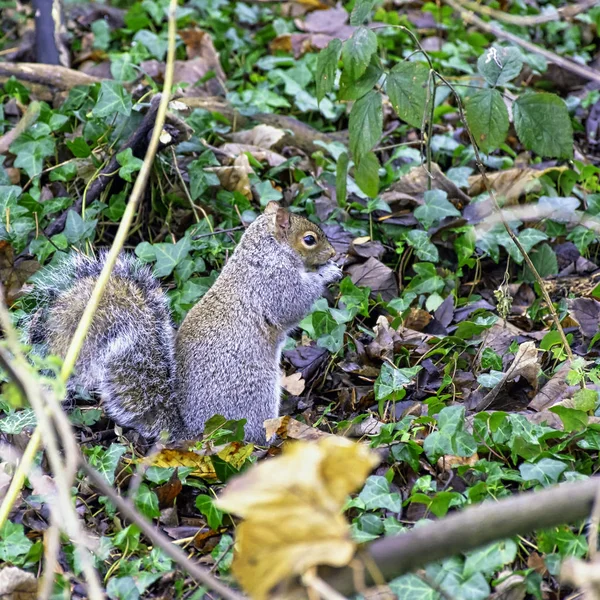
(330, 272)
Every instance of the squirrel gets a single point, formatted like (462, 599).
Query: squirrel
(225, 357)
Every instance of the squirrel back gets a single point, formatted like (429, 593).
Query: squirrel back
(225, 359)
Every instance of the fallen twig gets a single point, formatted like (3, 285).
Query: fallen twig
(50, 76)
(566, 12)
(565, 63)
(157, 538)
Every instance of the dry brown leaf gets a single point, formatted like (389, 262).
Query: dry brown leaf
(509, 185)
(554, 391)
(16, 584)
(449, 462)
(302, 43)
(262, 136)
(167, 492)
(417, 319)
(525, 364)
(313, 481)
(377, 276)
(293, 384)
(260, 154)
(235, 178)
(289, 429)
(417, 181)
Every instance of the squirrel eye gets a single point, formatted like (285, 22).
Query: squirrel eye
(309, 239)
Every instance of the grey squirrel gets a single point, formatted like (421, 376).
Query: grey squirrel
(225, 357)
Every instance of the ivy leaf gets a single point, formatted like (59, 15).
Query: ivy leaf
(326, 67)
(424, 248)
(406, 86)
(357, 52)
(205, 504)
(531, 237)
(122, 588)
(410, 586)
(32, 147)
(365, 124)
(168, 256)
(377, 494)
(451, 436)
(391, 381)
(129, 164)
(499, 65)
(147, 502)
(435, 208)
(112, 99)
(106, 461)
(367, 175)
(546, 471)
(543, 125)
(76, 228)
(17, 420)
(487, 118)
(490, 558)
(13, 542)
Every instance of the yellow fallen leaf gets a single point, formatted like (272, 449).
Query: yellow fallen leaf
(235, 454)
(235, 178)
(290, 429)
(292, 509)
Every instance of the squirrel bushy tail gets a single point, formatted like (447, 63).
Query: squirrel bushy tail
(128, 355)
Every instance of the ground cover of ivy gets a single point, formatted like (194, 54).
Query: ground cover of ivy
(436, 347)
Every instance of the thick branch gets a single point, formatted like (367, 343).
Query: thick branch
(302, 136)
(51, 76)
(475, 527)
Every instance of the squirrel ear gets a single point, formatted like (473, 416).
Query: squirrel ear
(282, 218)
(271, 208)
(282, 221)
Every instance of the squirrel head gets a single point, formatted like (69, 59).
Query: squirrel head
(303, 236)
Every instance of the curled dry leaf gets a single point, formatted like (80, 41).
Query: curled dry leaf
(509, 185)
(449, 461)
(261, 136)
(554, 391)
(525, 364)
(586, 312)
(289, 429)
(293, 384)
(295, 524)
(235, 178)
(260, 154)
(377, 276)
(16, 584)
(416, 182)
